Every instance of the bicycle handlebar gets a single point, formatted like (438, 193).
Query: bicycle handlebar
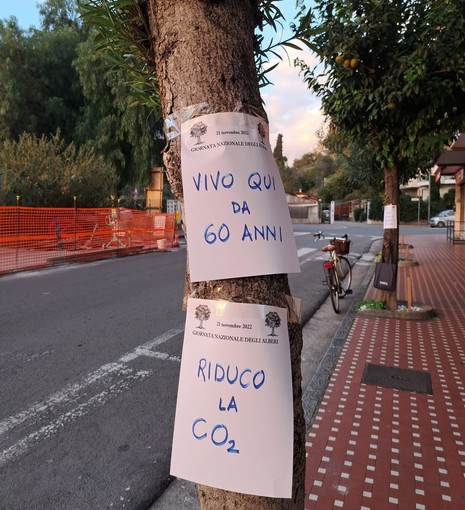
(320, 235)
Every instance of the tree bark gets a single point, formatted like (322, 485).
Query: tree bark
(391, 236)
(203, 52)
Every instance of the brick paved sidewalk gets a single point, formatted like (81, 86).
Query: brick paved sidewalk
(376, 448)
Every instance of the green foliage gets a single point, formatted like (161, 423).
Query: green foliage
(449, 199)
(325, 195)
(284, 170)
(362, 170)
(408, 210)
(360, 214)
(123, 42)
(337, 185)
(376, 208)
(129, 135)
(302, 32)
(392, 78)
(59, 14)
(38, 85)
(53, 79)
(279, 157)
(310, 171)
(438, 203)
(371, 304)
(48, 172)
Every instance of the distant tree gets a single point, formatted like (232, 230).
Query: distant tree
(376, 208)
(392, 82)
(59, 14)
(408, 210)
(48, 172)
(311, 170)
(449, 199)
(278, 154)
(362, 170)
(39, 88)
(76, 92)
(281, 163)
(337, 185)
(325, 195)
(128, 133)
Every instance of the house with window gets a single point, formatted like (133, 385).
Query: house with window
(419, 186)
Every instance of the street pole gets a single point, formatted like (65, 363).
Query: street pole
(18, 199)
(429, 194)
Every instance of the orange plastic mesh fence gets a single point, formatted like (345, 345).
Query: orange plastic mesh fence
(33, 237)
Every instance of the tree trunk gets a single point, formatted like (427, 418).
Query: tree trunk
(391, 235)
(203, 52)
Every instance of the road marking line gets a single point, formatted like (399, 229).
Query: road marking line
(72, 415)
(141, 350)
(155, 354)
(67, 395)
(301, 252)
(72, 392)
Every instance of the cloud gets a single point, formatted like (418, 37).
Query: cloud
(293, 110)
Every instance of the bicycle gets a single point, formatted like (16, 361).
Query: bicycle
(337, 269)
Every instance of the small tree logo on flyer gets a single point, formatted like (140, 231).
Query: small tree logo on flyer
(273, 321)
(197, 131)
(202, 313)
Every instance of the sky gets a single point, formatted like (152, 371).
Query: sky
(292, 109)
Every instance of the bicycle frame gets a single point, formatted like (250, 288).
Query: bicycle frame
(332, 282)
(338, 273)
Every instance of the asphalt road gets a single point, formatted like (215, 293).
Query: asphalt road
(89, 364)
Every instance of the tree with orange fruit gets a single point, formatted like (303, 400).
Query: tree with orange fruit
(392, 83)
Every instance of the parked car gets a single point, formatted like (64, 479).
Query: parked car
(441, 219)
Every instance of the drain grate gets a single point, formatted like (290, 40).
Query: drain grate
(398, 378)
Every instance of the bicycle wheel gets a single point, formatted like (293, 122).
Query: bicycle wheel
(333, 285)
(344, 273)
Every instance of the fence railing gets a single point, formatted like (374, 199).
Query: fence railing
(455, 231)
(33, 237)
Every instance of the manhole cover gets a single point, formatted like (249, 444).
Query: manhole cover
(398, 378)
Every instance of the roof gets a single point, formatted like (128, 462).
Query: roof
(451, 160)
(451, 157)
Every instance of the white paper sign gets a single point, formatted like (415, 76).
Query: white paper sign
(390, 216)
(234, 412)
(237, 217)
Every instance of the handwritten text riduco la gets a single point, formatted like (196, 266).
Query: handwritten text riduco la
(233, 377)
